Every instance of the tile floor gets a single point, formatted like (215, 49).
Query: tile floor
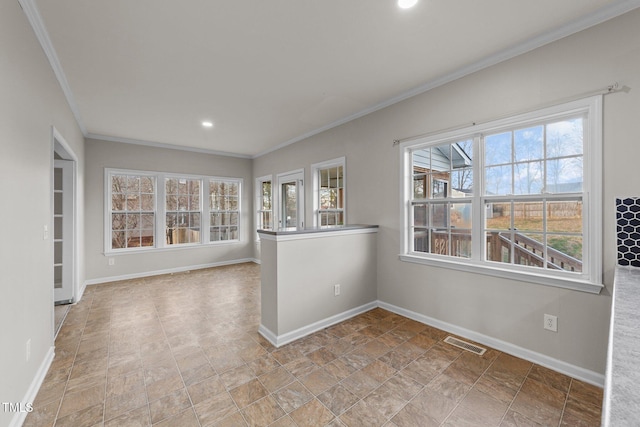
(182, 350)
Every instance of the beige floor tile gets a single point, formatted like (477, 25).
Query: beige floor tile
(292, 396)
(312, 414)
(183, 349)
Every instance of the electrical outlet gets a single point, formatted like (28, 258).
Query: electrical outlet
(112, 261)
(28, 349)
(551, 322)
(45, 232)
(336, 290)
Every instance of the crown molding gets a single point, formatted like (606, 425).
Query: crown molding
(164, 145)
(599, 16)
(33, 15)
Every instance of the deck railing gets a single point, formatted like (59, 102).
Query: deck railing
(527, 251)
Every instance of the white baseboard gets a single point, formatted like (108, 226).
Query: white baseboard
(32, 391)
(573, 371)
(165, 271)
(280, 340)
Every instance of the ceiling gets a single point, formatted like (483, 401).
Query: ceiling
(270, 73)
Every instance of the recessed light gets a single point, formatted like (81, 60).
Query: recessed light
(207, 124)
(406, 4)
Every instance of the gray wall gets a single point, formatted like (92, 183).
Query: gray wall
(506, 310)
(106, 154)
(31, 102)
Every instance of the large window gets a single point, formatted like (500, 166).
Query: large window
(183, 210)
(329, 188)
(224, 205)
(516, 197)
(148, 210)
(264, 204)
(132, 216)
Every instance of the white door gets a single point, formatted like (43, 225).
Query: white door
(63, 237)
(291, 200)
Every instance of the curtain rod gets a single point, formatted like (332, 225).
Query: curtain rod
(612, 88)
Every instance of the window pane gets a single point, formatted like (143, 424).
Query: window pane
(439, 242)
(421, 240)
(133, 202)
(460, 215)
(146, 237)
(439, 217)
(118, 184)
(118, 221)
(419, 184)
(118, 240)
(498, 180)
(118, 202)
(146, 185)
(148, 202)
(565, 138)
(528, 249)
(498, 216)
(420, 218)
(499, 246)
(528, 216)
(564, 217)
(462, 183)
(133, 184)
(528, 144)
(528, 178)
(497, 149)
(564, 175)
(133, 238)
(461, 244)
(565, 252)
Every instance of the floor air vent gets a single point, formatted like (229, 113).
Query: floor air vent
(465, 345)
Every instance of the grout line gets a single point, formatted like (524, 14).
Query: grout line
(566, 399)
(518, 392)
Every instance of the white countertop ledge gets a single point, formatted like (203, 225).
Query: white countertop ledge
(622, 385)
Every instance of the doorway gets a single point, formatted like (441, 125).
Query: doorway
(64, 228)
(291, 200)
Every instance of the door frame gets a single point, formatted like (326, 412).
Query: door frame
(60, 147)
(296, 176)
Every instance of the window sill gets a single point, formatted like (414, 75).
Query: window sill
(149, 249)
(523, 276)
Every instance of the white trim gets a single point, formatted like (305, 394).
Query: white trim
(340, 161)
(160, 211)
(258, 202)
(34, 387)
(58, 139)
(512, 272)
(168, 146)
(33, 15)
(166, 271)
(573, 371)
(325, 232)
(601, 15)
(589, 280)
(280, 340)
(282, 178)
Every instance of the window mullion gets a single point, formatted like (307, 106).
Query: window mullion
(205, 217)
(161, 208)
(478, 248)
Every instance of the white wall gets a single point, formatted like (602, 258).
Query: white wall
(502, 309)
(31, 102)
(106, 154)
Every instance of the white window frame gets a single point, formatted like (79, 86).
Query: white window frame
(590, 279)
(258, 201)
(315, 169)
(160, 211)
